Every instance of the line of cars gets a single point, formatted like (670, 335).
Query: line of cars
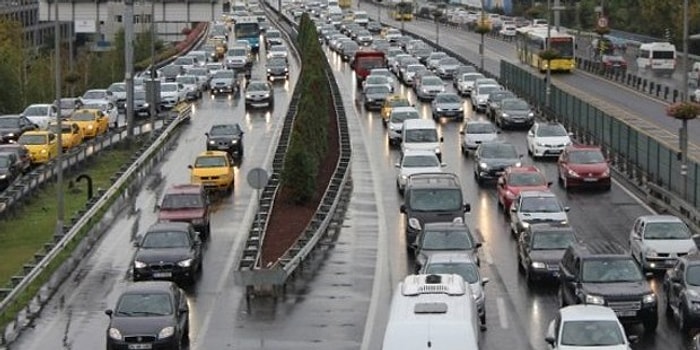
(613, 278)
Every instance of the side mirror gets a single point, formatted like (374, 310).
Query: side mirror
(442, 139)
(633, 338)
(397, 165)
(530, 134)
(550, 340)
(109, 312)
(566, 209)
(157, 206)
(183, 311)
(484, 281)
(549, 183)
(190, 167)
(478, 245)
(498, 132)
(513, 209)
(136, 244)
(467, 207)
(402, 209)
(206, 134)
(461, 132)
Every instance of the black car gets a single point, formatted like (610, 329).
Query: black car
(682, 288)
(226, 137)
(494, 101)
(168, 251)
(513, 113)
(259, 93)
(374, 27)
(603, 273)
(141, 106)
(12, 126)
(277, 68)
(149, 315)
(540, 249)
(24, 159)
(9, 169)
(491, 159)
(374, 96)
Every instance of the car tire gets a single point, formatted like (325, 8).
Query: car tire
(482, 318)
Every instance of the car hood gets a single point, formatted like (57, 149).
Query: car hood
(5, 131)
(169, 93)
(209, 172)
(449, 105)
(447, 67)
(225, 138)
(169, 255)
(589, 168)
(424, 255)
(517, 189)
(439, 88)
(181, 214)
(609, 347)
(380, 96)
(554, 140)
(543, 217)
(548, 256)
(611, 289)
(670, 245)
(517, 112)
(481, 137)
(411, 171)
(145, 326)
(222, 81)
(425, 146)
(500, 162)
(4, 171)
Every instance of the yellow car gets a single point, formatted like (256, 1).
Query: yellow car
(93, 122)
(71, 135)
(391, 102)
(42, 145)
(213, 170)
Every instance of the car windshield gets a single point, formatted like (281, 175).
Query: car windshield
(377, 89)
(223, 129)
(223, 74)
(168, 87)
(83, 116)
(421, 135)
(435, 199)
(499, 96)
(26, 139)
(480, 128)
(184, 61)
(273, 34)
(95, 95)
(526, 179)
(551, 130)
(259, 86)
(666, 230)
(166, 239)
(237, 52)
(540, 205)
(278, 48)
(449, 61)
(182, 201)
(586, 157)
(277, 62)
(436, 56)
(498, 151)
(471, 77)
(36, 111)
(552, 240)
(97, 106)
(198, 71)
(65, 129)
(432, 81)
(144, 304)
(420, 161)
(187, 80)
(448, 98)
(446, 240)
(414, 68)
(400, 103)
(119, 87)
(692, 275)
(381, 72)
(486, 90)
(376, 80)
(171, 70)
(468, 271)
(610, 270)
(9, 123)
(591, 333)
(400, 117)
(515, 105)
(210, 162)
(140, 95)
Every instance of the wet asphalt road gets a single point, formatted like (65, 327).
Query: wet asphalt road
(327, 308)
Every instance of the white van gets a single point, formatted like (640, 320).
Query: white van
(432, 312)
(361, 18)
(421, 134)
(659, 58)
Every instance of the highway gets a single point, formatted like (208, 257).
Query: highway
(333, 305)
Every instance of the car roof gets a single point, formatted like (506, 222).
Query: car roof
(447, 226)
(524, 169)
(418, 152)
(419, 124)
(479, 121)
(184, 188)
(550, 226)
(404, 109)
(451, 257)
(148, 286)
(169, 226)
(213, 153)
(587, 312)
(581, 147)
(537, 194)
(660, 218)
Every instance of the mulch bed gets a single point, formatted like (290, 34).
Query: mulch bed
(288, 220)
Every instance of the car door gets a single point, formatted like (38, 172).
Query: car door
(183, 313)
(524, 248)
(531, 137)
(513, 213)
(637, 240)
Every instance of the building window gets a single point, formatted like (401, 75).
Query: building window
(118, 18)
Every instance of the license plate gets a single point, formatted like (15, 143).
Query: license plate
(161, 275)
(590, 179)
(140, 346)
(626, 313)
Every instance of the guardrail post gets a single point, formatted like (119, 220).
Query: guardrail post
(651, 87)
(644, 85)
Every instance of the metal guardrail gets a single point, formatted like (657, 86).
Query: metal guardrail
(272, 278)
(92, 211)
(667, 201)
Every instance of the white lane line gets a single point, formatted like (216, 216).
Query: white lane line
(635, 197)
(502, 315)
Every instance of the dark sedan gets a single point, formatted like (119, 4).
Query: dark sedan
(494, 101)
(374, 96)
(226, 137)
(12, 126)
(277, 68)
(9, 169)
(493, 158)
(149, 315)
(24, 159)
(168, 251)
(513, 113)
(540, 249)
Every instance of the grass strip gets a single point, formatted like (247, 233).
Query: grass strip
(33, 225)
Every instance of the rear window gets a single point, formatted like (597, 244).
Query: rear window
(664, 55)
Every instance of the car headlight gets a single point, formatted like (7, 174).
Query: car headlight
(649, 298)
(414, 224)
(166, 332)
(518, 164)
(651, 253)
(483, 165)
(425, 91)
(234, 141)
(538, 265)
(524, 224)
(594, 299)
(572, 173)
(437, 150)
(606, 172)
(212, 142)
(44, 151)
(185, 263)
(139, 264)
(266, 95)
(90, 127)
(3, 176)
(10, 134)
(539, 144)
(504, 115)
(531, 115)
(404, 177)
(269, 70)
(115, 333)
(146, 105)
(439, 109)
(286, 69)
(480, 100)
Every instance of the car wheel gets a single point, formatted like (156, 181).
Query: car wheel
(521, 269)
(482, 319)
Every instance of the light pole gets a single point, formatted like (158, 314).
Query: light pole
(402, 20)
(547, 47)
(152, 92)
(59, 157)
(482, 22)
(129, 66)
(437, 28)
(683, 136)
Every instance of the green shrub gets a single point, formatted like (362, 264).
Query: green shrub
(299, 172)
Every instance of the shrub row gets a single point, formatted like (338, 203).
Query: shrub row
(309, 139)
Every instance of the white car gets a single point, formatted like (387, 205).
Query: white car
(108, 108)
(41, 114)
(118, 91)
(547, 139)
(383, 72)
(376, 80)
(476, 132)
(536, 207)
(191, 85)
(465, 83)
(508, 31)
(416, 162)
(656, 241)
(277, 51)
(97, 95)
(203, 77)
(171, 94)
(480, 96)
(588, 327)
(200, 56)
(392, 34)
(214, 67)
(696, 95)
(395, 125)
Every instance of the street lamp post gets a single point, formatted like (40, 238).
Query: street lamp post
(683, 136)
(482, 22)
(437, 28)
(547, 46)
(60, 211)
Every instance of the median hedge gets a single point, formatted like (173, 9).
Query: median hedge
(309, 139)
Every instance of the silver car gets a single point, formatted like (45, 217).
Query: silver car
(429, 87)
(447, 105)
(476, 132)
(446, 67)
(465, 83)
(445, 237)
(536, 207)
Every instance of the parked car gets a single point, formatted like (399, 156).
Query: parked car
(491, 159)
(540, 249)
(583, 166)
(657, 241)
(547, 139)
(228, 138)
(518, 179)
(476, 132)
(40, 114)
(259, 93)
(531, 207)
(13, 126)
(513, 113)
(187, 203)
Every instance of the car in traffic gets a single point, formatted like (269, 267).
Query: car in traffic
(373, 96)
(40, 114)
(277, 68)
(416, 162)
(169, 73)
(587, 327)
(480, 96)
(22, 155)
(92, 122)
(149, 315)
(168, 251)
(408, 73)
(41, 144)
(541, 248)
(446, 67)
(13, 126)
(171, 94)
(277, 51)
(108, 108)
(445, 237)
(447, 105)
(67, 105)
(681, 285)
(273, 37)
(464, 84)
(395, 123)
(203, 76)
(396, 100)
(433, 59)
(71, 134)
(118, 91)
(227, 138)
(547, 139)
(657, 241)
(373, 80)
(224, 81)
(97, 95)
(476, 132)
(213, 170)
(518, 179)
(421, 134)
(513, 113)
(9, 169)
(493, 102)
(187, 203)
(583, 166)
(383, 72)
(191, 85)
(259, 94)
(491, 159)
(531, 207)
(428, 87)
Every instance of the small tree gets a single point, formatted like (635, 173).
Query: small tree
(299, 172)
(683, 110)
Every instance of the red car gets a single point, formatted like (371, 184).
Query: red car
(186, 203)
(517, 179)
(584, 166)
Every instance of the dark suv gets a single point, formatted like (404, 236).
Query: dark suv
(602, 273)
(186, 203)
(540, 249)
(682, 288)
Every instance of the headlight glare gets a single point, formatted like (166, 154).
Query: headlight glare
(166, 332)
(139, 264)
(594, 299)
(115, 333)
(649, 298)
(538, 265)
(414, 224)
(185, 263)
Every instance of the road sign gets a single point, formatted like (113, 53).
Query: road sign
(85, 26)
(602, 22)
(257, 178)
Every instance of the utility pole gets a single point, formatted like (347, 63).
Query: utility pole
(683, 136)
(402, 20)
(129, 66)
(547, 46)
(482, 21)
(60, 211)
(152, 92)
(557, 15)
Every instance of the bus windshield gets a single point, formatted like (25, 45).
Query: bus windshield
(564, 46)
(245, 30)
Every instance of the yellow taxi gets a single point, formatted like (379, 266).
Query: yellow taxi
(93, 122)
(213, 170)
(391, 102)
(42, 145)
(71, 135)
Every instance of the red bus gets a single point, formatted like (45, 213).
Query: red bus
(365, 61)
